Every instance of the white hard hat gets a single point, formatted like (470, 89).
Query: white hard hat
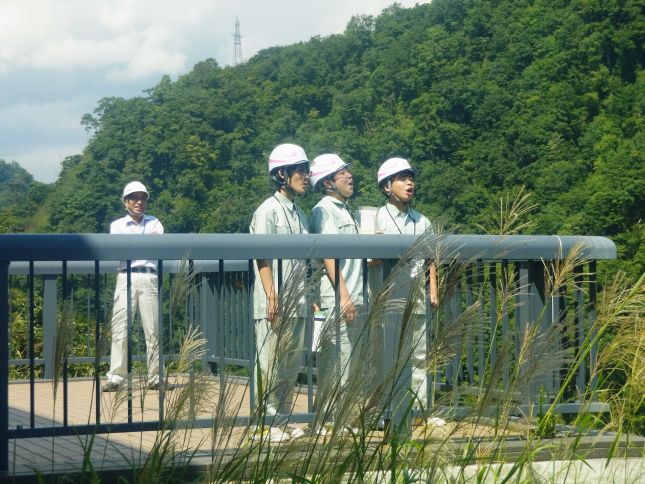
(133, 187)
(286, 154)
(392, 167)
(325, 165)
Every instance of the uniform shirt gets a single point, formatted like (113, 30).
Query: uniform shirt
(390, 220)
(332, 216)
(149, 225)
(278, 215)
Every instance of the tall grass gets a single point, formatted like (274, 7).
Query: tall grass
(475, 403)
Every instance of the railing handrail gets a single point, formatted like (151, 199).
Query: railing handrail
(108, 247)
(50, 268)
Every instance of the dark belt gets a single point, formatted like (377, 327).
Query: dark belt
(140, 269)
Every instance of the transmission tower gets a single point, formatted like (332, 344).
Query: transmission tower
(237, 44)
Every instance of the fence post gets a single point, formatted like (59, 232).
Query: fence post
(50, 313)
(538, 317)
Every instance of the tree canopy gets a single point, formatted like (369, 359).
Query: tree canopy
(482, 96)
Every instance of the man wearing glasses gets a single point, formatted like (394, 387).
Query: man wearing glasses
(338, 366)
(143, 292)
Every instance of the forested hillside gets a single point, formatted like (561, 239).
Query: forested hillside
(483, 96)
(20, 197)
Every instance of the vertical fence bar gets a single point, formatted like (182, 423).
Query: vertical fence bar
(32, 356)
(481, 357)
(241, 312)
(207, 300)
(522, 312)
(220, 323)
(429, 323)
(66, 314)
(160, 342)
(253, 345)
(50, 312)
(566, 339)
(470, 354)
(280, 284)
(88, 316)
(537, 313)
(581, 378)
(593, 356)
(506, 287)
(5, 319)
(129, 316)
(455, 312)
(447, 319)
(492, 311)
(557, 318)
(338, 313)
(309, 334)
(97, 342)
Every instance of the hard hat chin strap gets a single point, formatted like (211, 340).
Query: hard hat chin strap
(332, 189)
(283, 180)
(390, 194)
(333, 186)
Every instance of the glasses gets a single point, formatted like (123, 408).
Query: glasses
(301, 170)
(342, 174)
(139, 198)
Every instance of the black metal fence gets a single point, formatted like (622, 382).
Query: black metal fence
(503, 281)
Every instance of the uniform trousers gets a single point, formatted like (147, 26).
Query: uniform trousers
(279, 358)
(144, 296)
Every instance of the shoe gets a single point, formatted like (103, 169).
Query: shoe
(296, 432)
(321, 431)
(156, 386)
(270, 434)
(436, 422)
(380, 425)
(347, 431)
(418, 422)
(110, 387)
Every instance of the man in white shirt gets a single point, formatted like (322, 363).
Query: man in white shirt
(396, 180)
(331, 215)
(279, 312)
(143, 292)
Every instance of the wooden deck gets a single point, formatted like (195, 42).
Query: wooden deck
(61, 454)
(117, 454)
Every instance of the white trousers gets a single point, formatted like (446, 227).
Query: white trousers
(144, 296)
(350, 369)
(409, 347)
(279, 358)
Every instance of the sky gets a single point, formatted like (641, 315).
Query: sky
(58, 58)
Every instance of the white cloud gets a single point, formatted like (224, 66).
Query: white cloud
(44, 162)
(40, 136)
(135, 37)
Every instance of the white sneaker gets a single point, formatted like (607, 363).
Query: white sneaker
(269, 434)
(436, 422)
(320, 431)
(296, 432)
(347, 431)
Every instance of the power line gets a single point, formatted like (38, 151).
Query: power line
(237, 44)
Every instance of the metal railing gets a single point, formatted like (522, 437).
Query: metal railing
(220, 266)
